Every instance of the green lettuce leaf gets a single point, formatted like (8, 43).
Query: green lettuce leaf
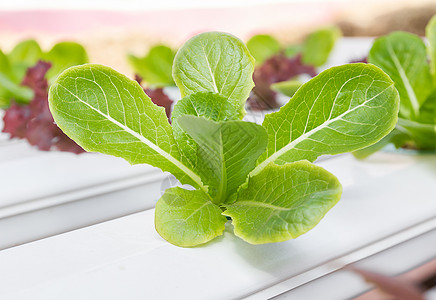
(24, 55)
(318, 45)
(63, 56)
(343, 109)
(403, 57)
(215, 62)
(5, 80)
(287, 88)
(427, 111)
(155, 68)
(203, 104)
(396, 137)
(227, 152)
(26, 52)
(4, 93)
(5, 65)
(283, 202)
(188, 218)
(262, 47)
(104, 111)
(430, 33)
(10, 79)
(11, 90)
(423, 135)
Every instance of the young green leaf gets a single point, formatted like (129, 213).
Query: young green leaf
(27, 52)
(12, 90)
(343, 109)
(104, 111)
(403, 57)
(24, 55)
(423, 135)
(262, 47)
(319, 44)
(203, 104)
(283, 202)
(215, 62)
(227, 152)
(188, 218)
(287, 88)
(10, 87)
(155, 67)
(427, 111)
(7, 70)
(62, 56)
(430, 33)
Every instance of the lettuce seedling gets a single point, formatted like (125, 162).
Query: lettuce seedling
(11, 74)
(26, 54)
(34, 121)
(25, 74)
(403, 56)
(261, 177)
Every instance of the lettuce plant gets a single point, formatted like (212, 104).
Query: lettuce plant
(25, 74)
(260, 177)
(12, 71)
(26, 54)
(404, 57)
(34, 121)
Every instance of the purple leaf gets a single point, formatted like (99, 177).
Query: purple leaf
(276, 69)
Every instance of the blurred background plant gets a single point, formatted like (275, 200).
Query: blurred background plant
(411, 63)
(25, 76)
(290, 39)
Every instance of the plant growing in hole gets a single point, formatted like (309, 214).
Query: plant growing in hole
(262, 177)
(403, 56)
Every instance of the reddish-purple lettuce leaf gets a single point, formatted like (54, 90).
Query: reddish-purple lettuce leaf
(15, 120)
(158, 97)
(276, 69)
(34, 121)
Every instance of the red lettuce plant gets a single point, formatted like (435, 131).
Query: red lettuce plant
(275, 69)
(158, 97)
(34, 121)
